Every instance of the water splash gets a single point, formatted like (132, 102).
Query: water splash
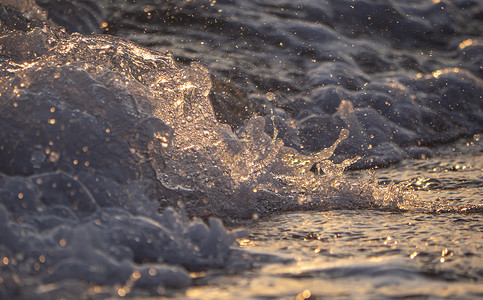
(213, 170)
(96, 125)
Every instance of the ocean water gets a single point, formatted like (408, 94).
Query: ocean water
(367, 254)
(241, 149)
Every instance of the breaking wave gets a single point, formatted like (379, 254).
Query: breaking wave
(108, 149)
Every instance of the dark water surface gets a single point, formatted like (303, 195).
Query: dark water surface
(122, 165)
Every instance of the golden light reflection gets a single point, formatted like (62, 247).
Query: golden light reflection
(306, 294)
(466, 43)
(161, 137)
(121, 292)
(438, 73)
(136, 275)
(198, 274)
(414, 254)
(245, 242)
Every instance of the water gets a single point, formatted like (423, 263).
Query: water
(453, 176)
(372, 254)
(233, 165)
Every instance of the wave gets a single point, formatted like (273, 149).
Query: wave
(107, 148)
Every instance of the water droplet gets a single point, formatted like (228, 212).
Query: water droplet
(270, 96)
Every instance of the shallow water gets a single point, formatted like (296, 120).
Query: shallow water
(372, 254)
(452, 176)
(361, 254)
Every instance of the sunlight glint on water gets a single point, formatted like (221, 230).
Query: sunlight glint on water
(346, 254)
